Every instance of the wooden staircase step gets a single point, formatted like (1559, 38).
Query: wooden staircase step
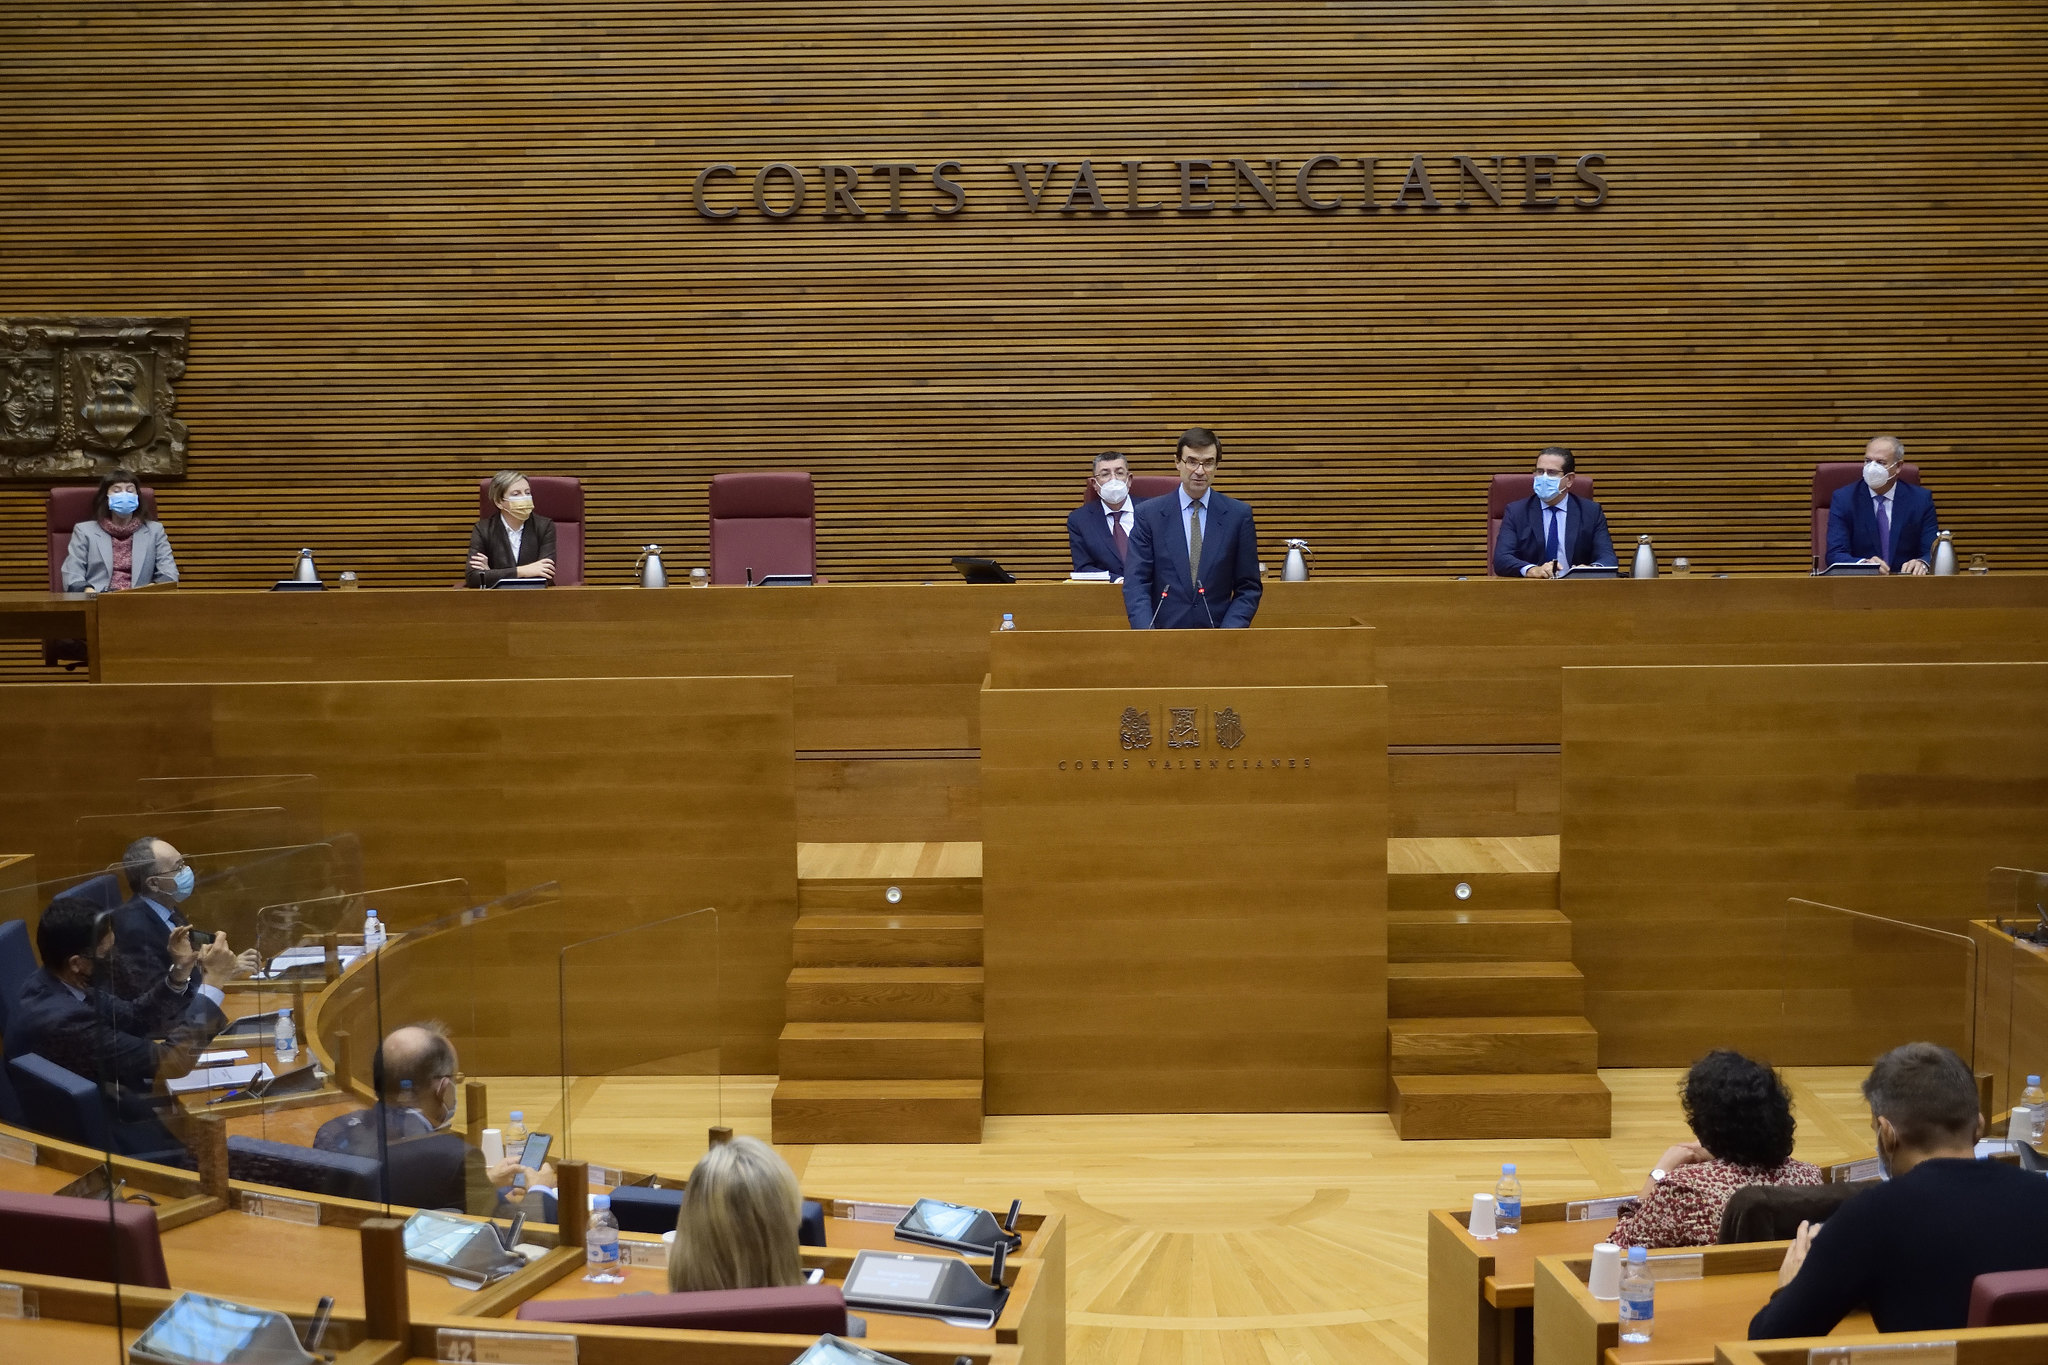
(877, 1111)
(880, 1051)
(848, 940)
(1478, 936)
(884, 994)
(1417, 990)
(1490, 890)
(1500, 1045)
(1568, 1106)
(869, 895)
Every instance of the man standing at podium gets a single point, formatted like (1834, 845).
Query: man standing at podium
(1194, 557)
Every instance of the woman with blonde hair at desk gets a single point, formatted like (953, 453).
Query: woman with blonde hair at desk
(513, 542)
(739, 1221)
(1742, 1115)
(123, 546)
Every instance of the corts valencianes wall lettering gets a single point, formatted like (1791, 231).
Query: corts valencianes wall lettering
(1193, 186)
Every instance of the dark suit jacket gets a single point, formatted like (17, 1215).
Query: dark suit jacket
(1520, 542)
(1158, 562)
(1088, 539)
(142, 950)
(108, 1040)
(488, 538)
(1852, 524)
(423, 1169)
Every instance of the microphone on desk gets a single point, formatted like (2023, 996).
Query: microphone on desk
(1155, 610)
(1203, 593)
(995, 1266)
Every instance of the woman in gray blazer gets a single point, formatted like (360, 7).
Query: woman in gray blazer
(123, 546)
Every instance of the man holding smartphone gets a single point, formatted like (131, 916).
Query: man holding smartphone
(426, 1165)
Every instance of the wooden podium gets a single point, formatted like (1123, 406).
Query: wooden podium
(1184, 876)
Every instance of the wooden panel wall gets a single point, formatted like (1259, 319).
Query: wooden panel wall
(419, 242)
(643, 798)
(1698, 800)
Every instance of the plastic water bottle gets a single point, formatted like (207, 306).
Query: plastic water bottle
(1009, 622)
(601, 1244)
(285, 1041)
(515, 1134)
(1507, 1201)
(373, 932)
(1638, 1298)
(2027, 1121)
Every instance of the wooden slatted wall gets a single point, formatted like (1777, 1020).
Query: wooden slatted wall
(418, 242)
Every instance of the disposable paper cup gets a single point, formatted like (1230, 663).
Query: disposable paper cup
(1605, 1281)
(1482, 1217)
(493, 1147)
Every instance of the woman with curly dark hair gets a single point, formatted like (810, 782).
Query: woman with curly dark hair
(1742, 1116)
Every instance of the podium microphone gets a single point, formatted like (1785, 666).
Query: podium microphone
(1203, 593)
(1162, 602)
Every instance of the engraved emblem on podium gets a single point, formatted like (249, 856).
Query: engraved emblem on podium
(1182, 732)
(79, 396)
(1137, 728)
(1229, 728)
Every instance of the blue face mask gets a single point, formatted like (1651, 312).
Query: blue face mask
(1547, 486)
(123, 503)
(182, 884)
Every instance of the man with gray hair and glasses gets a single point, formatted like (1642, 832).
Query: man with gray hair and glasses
(1909, 1249)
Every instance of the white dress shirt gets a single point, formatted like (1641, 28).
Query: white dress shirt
(1187, 520)
(1564, 529)
(513, 534)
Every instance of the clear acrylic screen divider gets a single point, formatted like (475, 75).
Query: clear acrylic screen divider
(640, 1025)
(1852, 986)
(2013, 1018)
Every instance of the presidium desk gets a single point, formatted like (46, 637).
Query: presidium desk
(887, 677)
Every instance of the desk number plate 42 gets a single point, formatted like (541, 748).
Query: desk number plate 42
(505, 1348)
(1888, 1353)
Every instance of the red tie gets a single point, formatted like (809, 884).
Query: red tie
(1116, 533)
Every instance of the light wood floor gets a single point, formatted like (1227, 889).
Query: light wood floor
(1267, 1238)
(1531, 853)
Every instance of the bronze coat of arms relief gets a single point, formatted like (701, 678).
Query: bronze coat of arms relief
(83, 395)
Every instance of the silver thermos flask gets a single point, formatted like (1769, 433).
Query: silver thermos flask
(1296, 568)
(1646, 560)
(1944, 555)
(652, 575)
(305, 572)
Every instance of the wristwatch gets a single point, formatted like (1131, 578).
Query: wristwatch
(1659, 1176)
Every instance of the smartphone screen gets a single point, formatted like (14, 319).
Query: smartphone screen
(535, 1154)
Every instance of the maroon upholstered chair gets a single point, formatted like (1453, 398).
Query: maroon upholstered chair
(560, 500)
(764, 520)
(51, 1234)
(1512, 488)
(1144, 487)
(802, 1310)
(2009, 1298)
(68, 505)
(1827, 478)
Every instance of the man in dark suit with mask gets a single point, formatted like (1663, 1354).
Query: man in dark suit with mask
(1553, 529)
(1881, 520)
(159, 882)
(1099, 531)
(1194, 558)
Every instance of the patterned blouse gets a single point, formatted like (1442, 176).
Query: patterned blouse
(1685, 1211)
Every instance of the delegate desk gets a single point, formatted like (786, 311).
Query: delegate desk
(887, 676)
(2011, 1008)
(1481, 1293)
(1712, 1295)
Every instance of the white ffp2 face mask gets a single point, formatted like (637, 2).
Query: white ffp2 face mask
(1876, 474)
(1114, 491)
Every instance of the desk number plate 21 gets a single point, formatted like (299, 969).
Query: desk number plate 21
(304, 1212)
(504, 1348)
